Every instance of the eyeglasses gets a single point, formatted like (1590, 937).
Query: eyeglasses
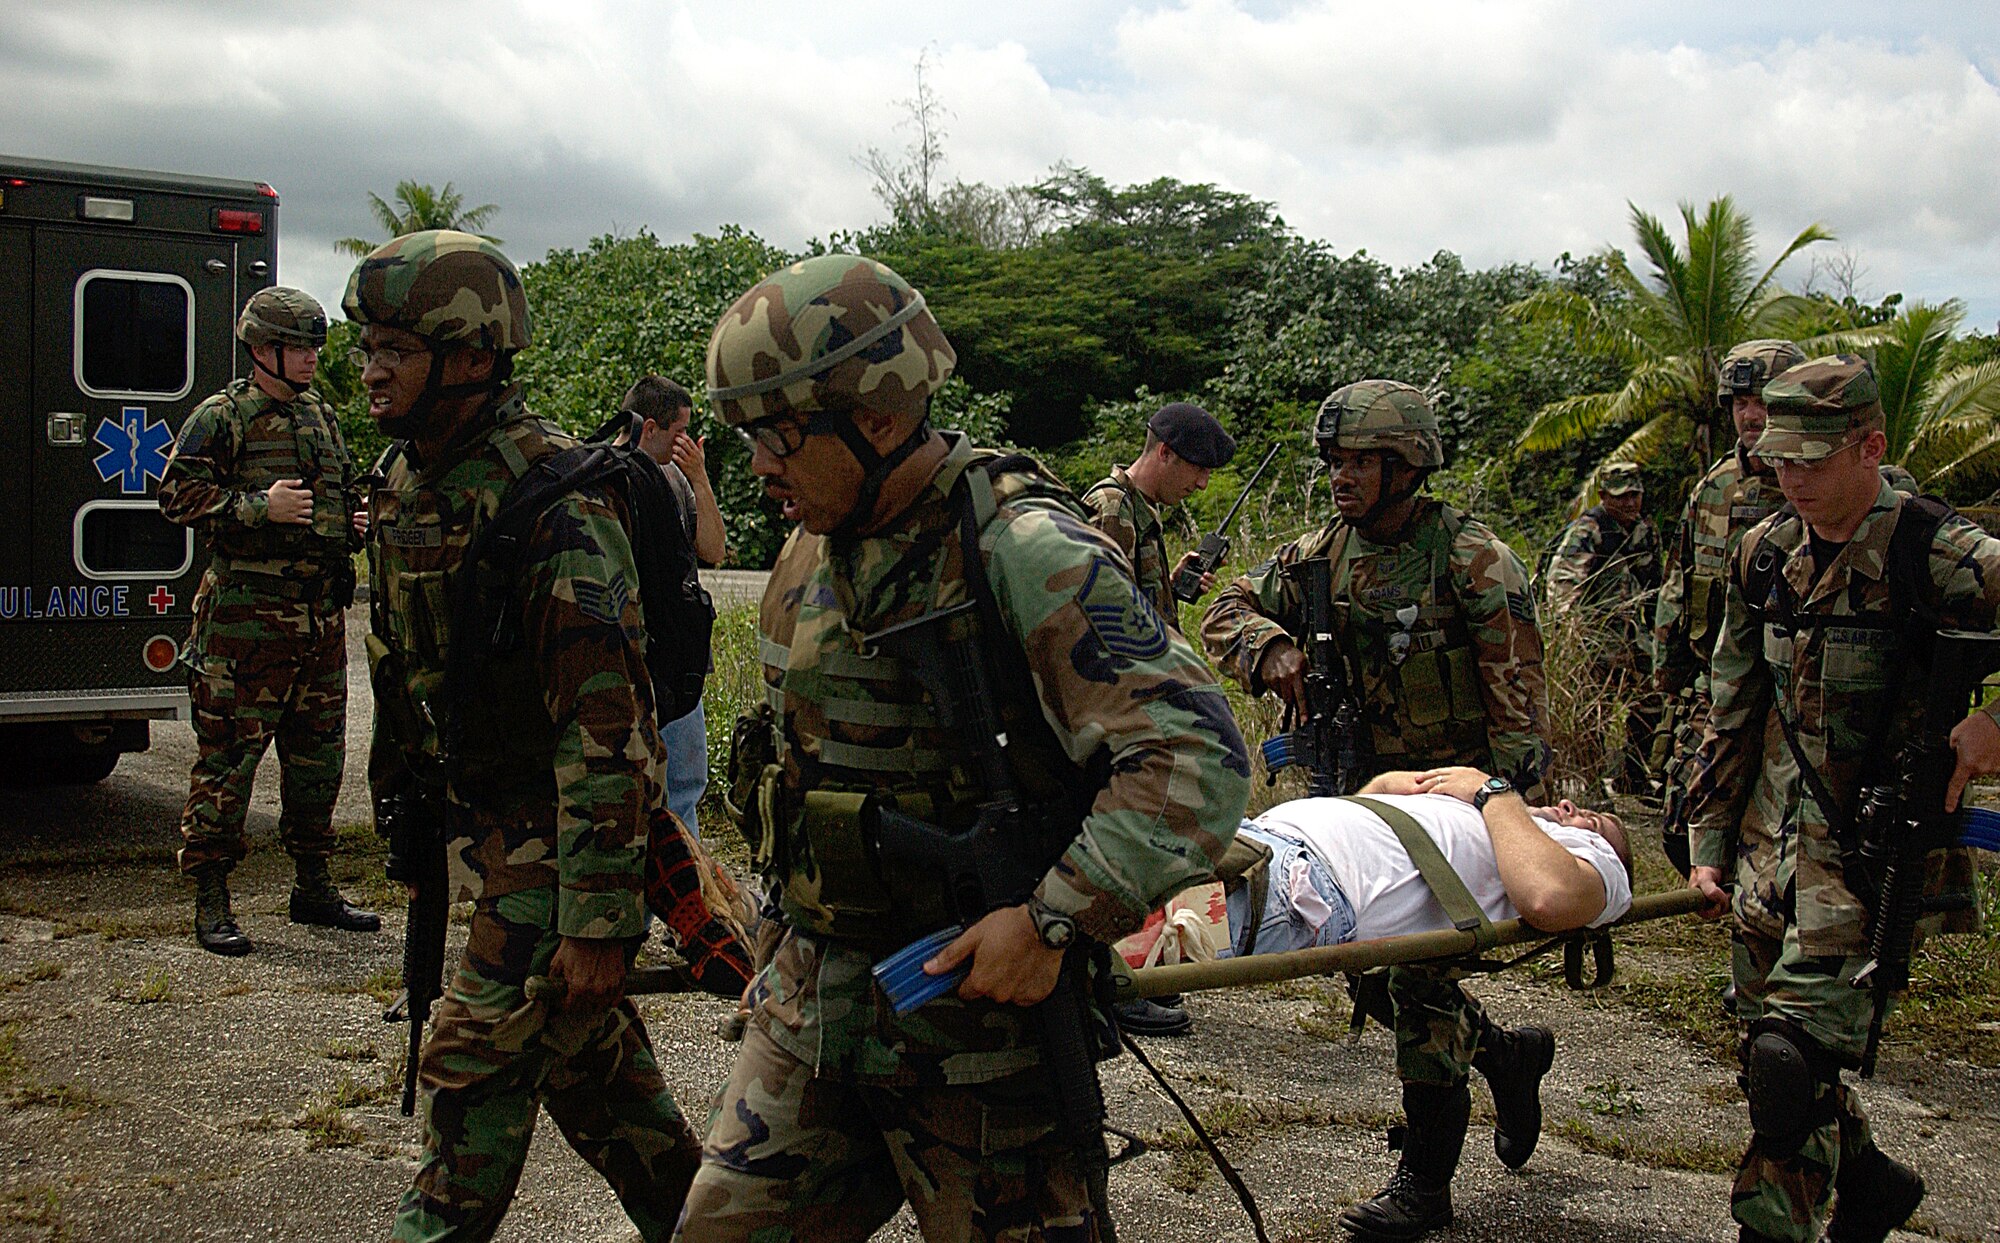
(1813, 467)
(386, 357)
(782, 435)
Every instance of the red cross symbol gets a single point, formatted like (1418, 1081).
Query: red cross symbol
(161, 599)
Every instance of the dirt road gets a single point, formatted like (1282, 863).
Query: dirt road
(149, 1091)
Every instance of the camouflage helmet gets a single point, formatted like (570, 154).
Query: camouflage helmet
(1815, 404)
(280, 316)
(1746, 369)
(445, 286)
(1619, 479)
(827, 333)
(1380, 414)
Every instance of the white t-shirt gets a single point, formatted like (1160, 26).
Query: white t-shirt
(1389, 896)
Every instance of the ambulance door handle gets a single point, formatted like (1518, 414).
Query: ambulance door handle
(215, 267)
(65, 429)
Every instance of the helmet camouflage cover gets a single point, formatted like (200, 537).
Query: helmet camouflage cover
(1619, 478)
(1746, 369)
(445, 286)
(1380, 414)
(1815, 404)
(280, 316)
(827, 333)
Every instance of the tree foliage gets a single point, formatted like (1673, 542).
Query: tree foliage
(419, 207)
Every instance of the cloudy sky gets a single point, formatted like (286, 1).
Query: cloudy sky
(1501, 131)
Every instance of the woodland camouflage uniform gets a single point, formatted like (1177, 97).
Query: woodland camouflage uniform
(1850, 693)
(1440, 629)
(1737, 493)
(1609, 575)
(546, 795)
(1123, 513)
(838, 1110)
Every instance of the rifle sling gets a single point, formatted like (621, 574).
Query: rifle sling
(1445, 883)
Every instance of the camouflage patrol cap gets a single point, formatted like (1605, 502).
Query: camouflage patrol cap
(445, 286)
(1815, 404)
(280, 316)
(827, 333)
(1619, 479)
(1380, 414)
(1746, 369)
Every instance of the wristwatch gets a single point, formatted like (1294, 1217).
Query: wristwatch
(1055, 929)
(1493, 786)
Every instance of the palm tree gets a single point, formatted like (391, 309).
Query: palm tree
(1670, 331)
(419, 207)
(1943, 426)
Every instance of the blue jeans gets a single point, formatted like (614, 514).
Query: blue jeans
(1284, 925)
(686, 742)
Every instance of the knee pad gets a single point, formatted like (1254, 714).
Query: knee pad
(1786, 1076)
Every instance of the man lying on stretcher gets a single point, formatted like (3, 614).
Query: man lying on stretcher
(1338, 871)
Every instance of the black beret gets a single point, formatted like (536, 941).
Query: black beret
(1193, 433)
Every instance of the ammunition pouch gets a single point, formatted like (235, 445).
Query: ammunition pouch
(753, 748)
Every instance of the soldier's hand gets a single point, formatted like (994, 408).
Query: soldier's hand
(1283, 669)
(1708, 882)
(1009, 962)
(290, 502)
(592, 972)
(1187, 560)
(361, 523)
(1976, 741)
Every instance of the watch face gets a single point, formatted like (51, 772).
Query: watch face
(1057, 931)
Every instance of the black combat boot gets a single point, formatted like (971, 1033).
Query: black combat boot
(316, 901)
(1513, 1060)
(1152, 1016)
(1872, 1195)
(1418, 1197)
(214, 927)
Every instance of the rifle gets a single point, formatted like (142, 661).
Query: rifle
(1903, 820)
(415, 832)
(1215, 544)
(998, 862)
(1329, 741)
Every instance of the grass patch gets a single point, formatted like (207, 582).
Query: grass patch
(33, 975)
(1612, 1098)
(325, 1126)
(158, 988)
(70, 1098)
(1654, 1152)
(350, 1051)
(39, 1206)
(1234, 1117)
(118, 927)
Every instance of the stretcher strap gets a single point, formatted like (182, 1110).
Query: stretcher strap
(1460, 907)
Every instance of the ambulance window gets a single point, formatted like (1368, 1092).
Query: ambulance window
(134, 335)
(130, 539)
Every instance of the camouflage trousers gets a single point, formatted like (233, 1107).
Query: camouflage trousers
(1437, 1026)
(793, 1156)
(497, 1053)
(263, 670)
(1788, 1198)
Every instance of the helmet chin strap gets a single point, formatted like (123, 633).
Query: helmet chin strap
(436, 390)
(876, 468)
(291, 389)
(1387, 498)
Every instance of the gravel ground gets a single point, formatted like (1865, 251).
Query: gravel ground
(150, 1091)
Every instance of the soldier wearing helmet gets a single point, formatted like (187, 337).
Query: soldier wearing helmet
(1737, 493)
(1434, 624)
(542, 766)
(1604, 577)
(1125, 767)
(261, 471)
(1818, 676)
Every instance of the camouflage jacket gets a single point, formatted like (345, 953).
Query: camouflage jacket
(1128, 717)
(1611, 576)
(1121, 511)
(231, 450)
(559, 764)
(1730, 499)
(1440, 628)
(1749, 809)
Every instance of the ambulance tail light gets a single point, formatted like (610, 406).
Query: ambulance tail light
(160, 653)
(236, 220)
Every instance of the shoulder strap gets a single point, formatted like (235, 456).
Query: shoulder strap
(1445, 884)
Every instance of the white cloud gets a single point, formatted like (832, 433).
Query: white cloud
(1503, 132)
